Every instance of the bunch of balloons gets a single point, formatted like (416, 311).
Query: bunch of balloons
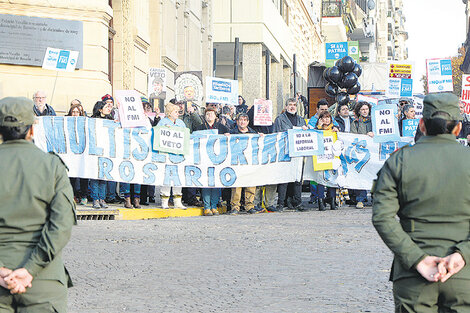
(343, 79)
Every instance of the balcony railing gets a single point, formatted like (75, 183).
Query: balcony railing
(332, 8)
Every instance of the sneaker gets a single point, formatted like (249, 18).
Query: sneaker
(208, 212)
(278, 208)
(301, 208)
(96, 204)
(215, 212)
(103, 204)
(234, 212)
(84, 201)
(256, 210)
(359, 205)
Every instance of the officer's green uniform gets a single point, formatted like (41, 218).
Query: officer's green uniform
(428, 187)
(37, 212)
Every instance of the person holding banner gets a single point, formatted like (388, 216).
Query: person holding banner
(98, 187)
(343, 119)
(325, 123)
(170, 120)
(322, 106)
(362, 125)
(285, 121)
(426, 185)
(409, 114)
(210, 196)
(79, 185)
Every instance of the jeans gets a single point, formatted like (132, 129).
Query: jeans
(361, 195)
(320, 192)
(80, 187)
(125, 189)
(210, 197)
(98, 189)
(111, 190)
(282, 193)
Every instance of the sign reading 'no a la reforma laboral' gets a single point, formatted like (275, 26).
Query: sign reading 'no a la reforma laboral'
(439, 74)
(305, 142)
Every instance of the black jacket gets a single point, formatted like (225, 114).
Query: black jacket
(222, 129)
(258, 129)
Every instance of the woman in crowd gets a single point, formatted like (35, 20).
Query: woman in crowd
(98, 187)
(147, 192)
(211, 196)
(79, 185)
(325, 122)
(362, 125)
(241, 107)
(409, 114)
(171, 119)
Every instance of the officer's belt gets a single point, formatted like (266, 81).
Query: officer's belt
(458, 230)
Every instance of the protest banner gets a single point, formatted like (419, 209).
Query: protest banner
(409, 127)
(156, 81)
(171, 139)
(385, 123)
(439, 75)
(188, 86)
(418, 105)
(60, 60)
(205, 132)
(131, 111)
(305, 142)
(400, 82)
(263, 112)
(463, 141)
(326, 160)
(337, 50)
(465, 97)
(219, 90)
(373, 101)
(360, 160)
(101, 149)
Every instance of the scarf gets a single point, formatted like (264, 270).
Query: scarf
(364, 119)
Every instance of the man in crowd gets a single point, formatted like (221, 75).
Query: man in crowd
(38, 211)
(302, 104)
(430, 240)
(285, 121)
(41, 108)
(243, 128)
(343, 118)
(322, 106)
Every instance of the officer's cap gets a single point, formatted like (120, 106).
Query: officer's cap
(441, 102)
(16, 112)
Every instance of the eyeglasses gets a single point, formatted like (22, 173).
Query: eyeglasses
(40, 97)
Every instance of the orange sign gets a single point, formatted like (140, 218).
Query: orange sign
(400, 70)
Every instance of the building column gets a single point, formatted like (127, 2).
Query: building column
(286, 82)
(253, 63)
(276, 87)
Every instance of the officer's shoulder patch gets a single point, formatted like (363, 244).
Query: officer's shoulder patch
(61, 161)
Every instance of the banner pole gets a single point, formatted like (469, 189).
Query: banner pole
(53, 89)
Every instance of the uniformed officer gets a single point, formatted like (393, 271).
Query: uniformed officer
(427, 186)
(37, 212)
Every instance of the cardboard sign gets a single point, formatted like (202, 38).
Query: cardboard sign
(171, 139)
(465, 98)
(263, 112)
(219, 90)
(439, 74)
(131, 112)
(400, 82)
(156, 83)
(385, 123)
(409, 127)
(400, 70)
(60, 60)
(305, 142)
(188, 86)
(328, 159)
(337, 50)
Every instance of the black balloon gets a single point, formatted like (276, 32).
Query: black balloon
(326, 75)
(354, 89)
(349, 80)
(357, 70)
(342, 98)
(331, 90)
(346, 64)
(337, 62)
(334, 74)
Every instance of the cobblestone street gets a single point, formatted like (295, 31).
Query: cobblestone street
(330, 261)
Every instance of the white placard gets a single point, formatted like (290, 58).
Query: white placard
(60, 60)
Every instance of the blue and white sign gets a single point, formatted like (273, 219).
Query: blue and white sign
(385, 123)
(406, 89)
(219, 90)
(409, 127)
(439, 74)
(60, 60)
(305, 142)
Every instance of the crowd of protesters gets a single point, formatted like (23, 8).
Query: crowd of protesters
(228, 119)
